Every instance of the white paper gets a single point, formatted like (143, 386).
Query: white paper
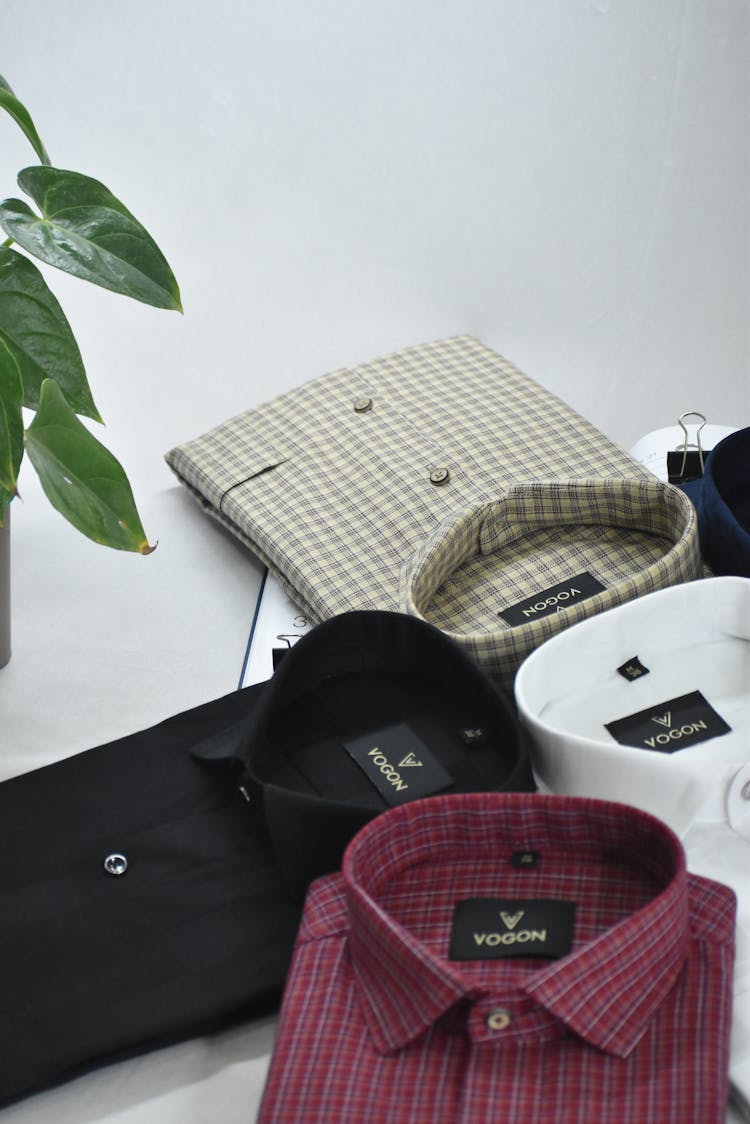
(277, 624)
(651, 449)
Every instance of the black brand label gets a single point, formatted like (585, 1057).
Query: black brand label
(398, 764)
(671, 725)
(554, 600)
(632, 669)
(491, 929)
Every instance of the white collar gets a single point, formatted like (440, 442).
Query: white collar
(691, 637)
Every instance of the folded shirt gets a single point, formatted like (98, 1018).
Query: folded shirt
(336, 484)
(722, 498)
(650, 704)
(151, 888)
(508, 958)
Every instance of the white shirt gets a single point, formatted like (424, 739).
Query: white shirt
(693, 637)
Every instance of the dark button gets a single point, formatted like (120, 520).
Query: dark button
(115, 864)
(362, 405)
(440, 476)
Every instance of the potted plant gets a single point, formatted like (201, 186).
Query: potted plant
(83, 229)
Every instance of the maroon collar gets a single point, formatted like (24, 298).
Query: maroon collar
(605, 991)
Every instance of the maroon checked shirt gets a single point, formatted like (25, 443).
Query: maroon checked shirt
(508, 957)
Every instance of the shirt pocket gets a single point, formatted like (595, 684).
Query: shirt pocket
(213, 465)
(245, 465)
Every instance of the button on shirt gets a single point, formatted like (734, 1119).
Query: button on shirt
(335, 484)
(151, 889)
(545, 555)
(690, 766)
(379, 1024)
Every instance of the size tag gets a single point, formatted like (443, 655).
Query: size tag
(556, 599)
(671, 725)
(494, 929)
(632, 670)
(524, 859)
(472, 736)
(398, 764)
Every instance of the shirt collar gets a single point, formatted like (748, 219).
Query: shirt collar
(642, 504)
(309, 832)
(606, 992)
(577, 755)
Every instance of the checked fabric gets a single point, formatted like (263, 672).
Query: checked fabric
(635, 535)
(336, 484)
(381, 1021)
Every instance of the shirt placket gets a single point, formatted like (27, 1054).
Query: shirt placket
(504, 1034)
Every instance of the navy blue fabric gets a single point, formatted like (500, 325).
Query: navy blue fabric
(723, 505)
(692, 489)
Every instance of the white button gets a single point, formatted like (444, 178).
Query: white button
(115, 864)
(738, 802)
(362, 405)
(498, 1019)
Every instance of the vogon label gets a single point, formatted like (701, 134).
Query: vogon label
(380, 761)
(488, 929)
(397, 763)
(675, 735)
(671, 725)
(556, 602)
(556, 599)
(523, 936)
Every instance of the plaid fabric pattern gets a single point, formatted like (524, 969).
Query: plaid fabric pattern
(330, 484)
(634, 535)
(378, 1026)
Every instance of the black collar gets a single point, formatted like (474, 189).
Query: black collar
(358, 674)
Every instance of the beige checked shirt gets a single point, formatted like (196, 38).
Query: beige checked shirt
(532, 554)
(336, 484)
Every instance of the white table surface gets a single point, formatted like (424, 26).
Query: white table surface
(105, 644)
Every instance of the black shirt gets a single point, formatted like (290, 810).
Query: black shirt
(223, 815)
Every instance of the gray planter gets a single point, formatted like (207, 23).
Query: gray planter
(5, 589)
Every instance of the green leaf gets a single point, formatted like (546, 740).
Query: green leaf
(22, 117)
(80, 477)
(86, 231)
(36, 332)
(11, 421)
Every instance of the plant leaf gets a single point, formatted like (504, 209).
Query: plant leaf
(11, 420)
(86, 231)
(81, 478)
(35, 330)
(22, 117)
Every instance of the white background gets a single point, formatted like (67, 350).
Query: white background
(568, 180)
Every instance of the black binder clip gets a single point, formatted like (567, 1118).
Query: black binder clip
(288, 638)
(687, 463)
